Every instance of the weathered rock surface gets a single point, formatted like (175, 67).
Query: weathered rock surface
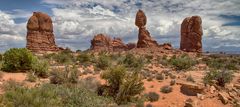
(118, 45)
(191, 34)
(40, 35)
(131, 46)
(144, 38)
(223, 96)
(191, 89)
(102, 42)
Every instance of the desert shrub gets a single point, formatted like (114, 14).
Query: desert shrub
(122, 85)
(228, 63)
(220, 76)
(166, 89)
(163, 60)
(160, 76)
(182, 62)
(103, 62)
(49, 95)
(17, 59)
(133, 62)
(190, 78)
(40, 68)
(84, 58)
(64, 57)
(31, 77)
(153, 96)
(68, 75)
(90, 83)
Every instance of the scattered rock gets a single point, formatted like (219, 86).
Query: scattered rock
(144, 38)
(212, 89)
(223, 96)
(237, 86)
(200, 96)
(167, 46)
(191, 34)
(40, 35)
(191, 88)
(191, 103)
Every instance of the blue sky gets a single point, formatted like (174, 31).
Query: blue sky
(77, 21)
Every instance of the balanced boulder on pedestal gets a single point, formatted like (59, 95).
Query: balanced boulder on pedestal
(144, 38)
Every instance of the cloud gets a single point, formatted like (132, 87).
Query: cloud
(77, 21)
(11, 34)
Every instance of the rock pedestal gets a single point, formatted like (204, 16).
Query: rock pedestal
(191, 34)
(40, 35)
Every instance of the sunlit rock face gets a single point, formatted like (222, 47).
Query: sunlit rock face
(191, 34)
(40, 35)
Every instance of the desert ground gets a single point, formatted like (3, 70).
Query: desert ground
(184, 75)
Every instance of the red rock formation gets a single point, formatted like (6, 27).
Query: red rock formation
(191, 34)
(144, 38)
(101, 42)
(131, 46)
(118, 45)
(167, 46)
(40, 35)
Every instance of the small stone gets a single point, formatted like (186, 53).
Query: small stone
(200, 96)
(190, 103)
(237, 86)
(223, 96)
(212, 89)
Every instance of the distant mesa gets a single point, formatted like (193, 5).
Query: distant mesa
(40, 35)
(144, 38)
(191, 34)
(102, 42)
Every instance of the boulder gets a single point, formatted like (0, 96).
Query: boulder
(191, 89)
(144, 38)
(40, 35)
(191, 34)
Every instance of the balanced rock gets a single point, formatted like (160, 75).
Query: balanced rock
(144, 38)
(191, 34)
(40, 35)
(101, 42)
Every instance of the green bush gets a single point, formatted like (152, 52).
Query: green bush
(40, 68)
(182, 62)
(221, 63)
(220, 76)
(160, 76)
(133, 62)
(153, 96)
(49, 95)
(68, 75)
(103, 62)
(122, 85)
(31, 77)
(17, 59)
(64, 57)
(84, 58)
(166, 89)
